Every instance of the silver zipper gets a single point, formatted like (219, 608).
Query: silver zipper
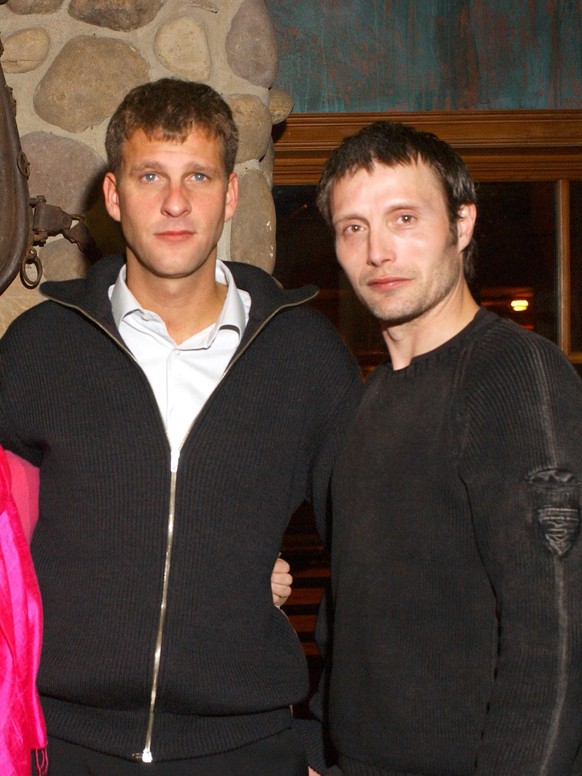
(146, 755)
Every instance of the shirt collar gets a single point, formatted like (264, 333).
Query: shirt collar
(234, 314)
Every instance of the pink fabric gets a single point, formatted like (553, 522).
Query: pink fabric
(25, 486)
(22, 728)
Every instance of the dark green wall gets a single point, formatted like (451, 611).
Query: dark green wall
(376, 55)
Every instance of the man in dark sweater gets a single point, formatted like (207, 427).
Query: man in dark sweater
(456, 556)
(180, 409)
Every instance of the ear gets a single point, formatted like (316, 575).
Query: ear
(465, 225)
(111, 196)
(231, 200)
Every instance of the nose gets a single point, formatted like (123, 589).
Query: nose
(176, 201)
(381, 248)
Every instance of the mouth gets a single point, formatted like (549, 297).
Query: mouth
(175, 235)
(386, 283)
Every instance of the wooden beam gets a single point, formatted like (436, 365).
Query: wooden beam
(497, 145)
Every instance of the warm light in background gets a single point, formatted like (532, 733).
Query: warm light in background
(514, 302)
(519, 305)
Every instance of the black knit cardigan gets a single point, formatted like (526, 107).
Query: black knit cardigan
(74, 401)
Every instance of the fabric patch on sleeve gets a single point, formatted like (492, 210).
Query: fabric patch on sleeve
(556, 509)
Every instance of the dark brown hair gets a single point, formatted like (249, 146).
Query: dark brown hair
(170, 108)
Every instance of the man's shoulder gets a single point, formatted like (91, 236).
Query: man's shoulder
(269, 298)
(94, 284)
(506, 354)
(63, 296)
(505, 338)
(39, 315)
(302, 335)
(39, 320)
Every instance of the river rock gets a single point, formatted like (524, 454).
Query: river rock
(252, 238)
(251, 45)
(104, 70)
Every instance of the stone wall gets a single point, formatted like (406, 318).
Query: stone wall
(70, 62)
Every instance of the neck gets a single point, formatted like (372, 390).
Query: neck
(185, 307)
(429, 331)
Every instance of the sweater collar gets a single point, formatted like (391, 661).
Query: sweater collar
(90, 294)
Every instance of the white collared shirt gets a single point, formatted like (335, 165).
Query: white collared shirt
(182, 376)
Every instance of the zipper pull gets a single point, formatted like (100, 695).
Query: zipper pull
(174, 458)
(146, 756)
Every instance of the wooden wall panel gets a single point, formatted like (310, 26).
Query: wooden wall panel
(497, 145)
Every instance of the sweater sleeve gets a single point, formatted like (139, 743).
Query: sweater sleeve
(335, 408)
(521, 461)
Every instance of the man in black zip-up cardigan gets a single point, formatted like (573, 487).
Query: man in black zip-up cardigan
(180, 409)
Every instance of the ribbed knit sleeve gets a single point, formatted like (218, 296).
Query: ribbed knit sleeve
(521, 462)
(344, 393)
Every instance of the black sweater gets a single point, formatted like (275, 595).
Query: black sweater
(75, 402)
(457, 563)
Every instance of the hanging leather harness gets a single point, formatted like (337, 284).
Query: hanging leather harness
(25, 221)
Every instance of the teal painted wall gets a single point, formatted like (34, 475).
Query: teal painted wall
(414, 55)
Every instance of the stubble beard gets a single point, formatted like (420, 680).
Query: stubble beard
(407, 310)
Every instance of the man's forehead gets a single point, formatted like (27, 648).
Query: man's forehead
(197, 143)
(160, 134)
(390, 172)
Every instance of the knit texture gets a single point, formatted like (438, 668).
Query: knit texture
(457, 564)
(74, 401)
